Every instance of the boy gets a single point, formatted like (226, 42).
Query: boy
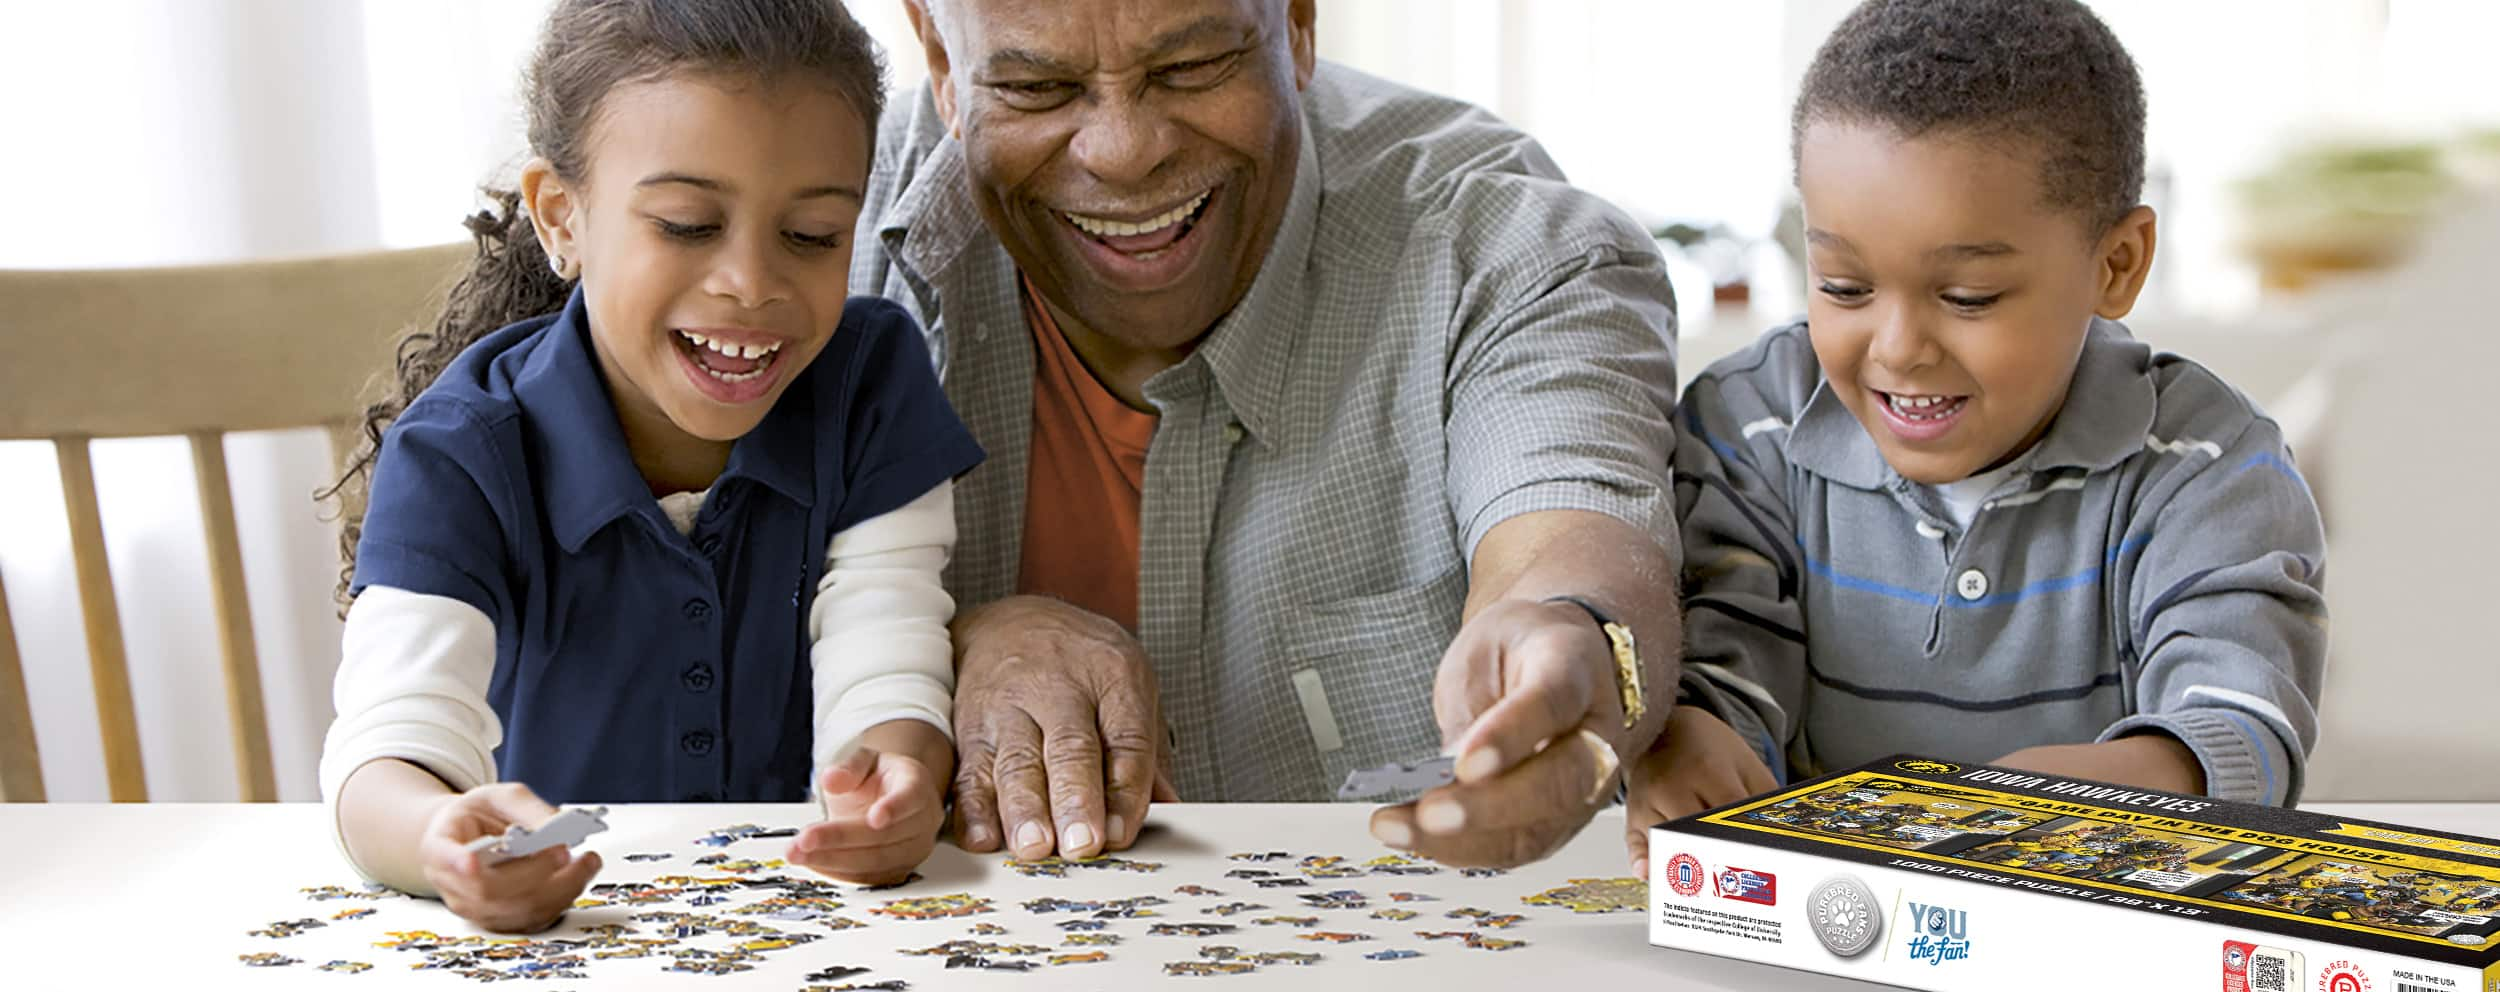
(1960, 511)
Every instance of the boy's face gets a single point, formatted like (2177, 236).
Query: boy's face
(1946, 299)
(712, 231)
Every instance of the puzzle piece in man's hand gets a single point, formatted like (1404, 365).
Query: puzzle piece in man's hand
(1364, 783)
(567, 828)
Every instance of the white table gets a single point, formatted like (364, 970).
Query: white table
(161, 895)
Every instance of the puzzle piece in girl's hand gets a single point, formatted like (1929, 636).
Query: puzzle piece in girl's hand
(1596, 895)
(567, 828)
(1399, 777)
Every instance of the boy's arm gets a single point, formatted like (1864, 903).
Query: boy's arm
(881, 652)
(2229, 619)
(1744, 625)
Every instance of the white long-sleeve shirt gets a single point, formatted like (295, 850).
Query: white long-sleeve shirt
(414, 668)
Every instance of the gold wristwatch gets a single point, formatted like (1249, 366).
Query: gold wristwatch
(1627, 659)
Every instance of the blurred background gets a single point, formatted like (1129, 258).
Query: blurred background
(2326, 172)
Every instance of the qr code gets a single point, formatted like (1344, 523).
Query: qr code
(2266, 974)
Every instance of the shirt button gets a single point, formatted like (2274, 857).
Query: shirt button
(1972, 585)
(1233, 433)
(697, 610)
(698, 743)
(698, 677)
(709, 545)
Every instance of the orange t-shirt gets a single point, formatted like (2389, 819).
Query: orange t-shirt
(1085, 482)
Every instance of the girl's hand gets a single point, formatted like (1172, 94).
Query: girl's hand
(523, 895)
(883, 810)
(1699, 763)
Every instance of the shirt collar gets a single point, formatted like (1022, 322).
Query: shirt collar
(2108, 412)
(587, 477)
(1249, 350)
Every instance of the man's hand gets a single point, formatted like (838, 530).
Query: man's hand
(1058, 731)
(1526, 699)
(523, 895)
(1699, 763)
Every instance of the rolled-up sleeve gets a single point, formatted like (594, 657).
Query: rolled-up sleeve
(1564, 400)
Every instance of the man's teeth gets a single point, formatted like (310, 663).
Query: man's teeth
(1101, 228)
(1922, 407)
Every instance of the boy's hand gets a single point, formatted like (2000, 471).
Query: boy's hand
(523, 895)
(2145, 761)
(1699, 763)
(882, 814)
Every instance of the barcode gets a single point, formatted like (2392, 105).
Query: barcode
(2265, 974)
(2410, 987)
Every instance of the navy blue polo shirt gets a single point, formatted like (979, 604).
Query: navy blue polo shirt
(633, 663)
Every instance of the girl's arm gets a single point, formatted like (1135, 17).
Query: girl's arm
(881, 651)
(413, 727)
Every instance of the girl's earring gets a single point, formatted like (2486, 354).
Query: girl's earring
(556, 263)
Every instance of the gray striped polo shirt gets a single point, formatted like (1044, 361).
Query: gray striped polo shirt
(2157, 565)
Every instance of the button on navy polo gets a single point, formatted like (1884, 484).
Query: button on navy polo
(634, 663)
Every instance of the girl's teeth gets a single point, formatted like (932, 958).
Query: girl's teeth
(1922, 407)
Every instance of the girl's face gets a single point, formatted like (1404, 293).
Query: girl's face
(712, 233)
(1946, 299)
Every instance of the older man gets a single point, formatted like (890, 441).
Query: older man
(1328, 427)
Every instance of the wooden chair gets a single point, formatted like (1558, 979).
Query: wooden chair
(195, 351)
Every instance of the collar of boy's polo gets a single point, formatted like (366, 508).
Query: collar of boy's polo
(2108, 414)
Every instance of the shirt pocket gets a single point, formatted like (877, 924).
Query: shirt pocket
(1361, 672)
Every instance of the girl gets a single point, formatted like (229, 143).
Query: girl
(650, 458)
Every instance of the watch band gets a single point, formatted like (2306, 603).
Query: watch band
(1628, 678)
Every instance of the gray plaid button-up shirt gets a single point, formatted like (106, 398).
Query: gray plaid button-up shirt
(1444, 335)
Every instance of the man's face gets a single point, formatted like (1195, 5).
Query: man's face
(1134, 156)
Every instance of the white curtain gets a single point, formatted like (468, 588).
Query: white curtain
(160, 131)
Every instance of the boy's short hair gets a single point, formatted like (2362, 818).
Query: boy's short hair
(2046, 70)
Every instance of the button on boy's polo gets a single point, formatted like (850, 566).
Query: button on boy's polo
(634, 663)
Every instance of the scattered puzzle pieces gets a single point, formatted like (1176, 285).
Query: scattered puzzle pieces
(1190, 929)
(935, 907)
(1087, 957)
(267, 959)
(347, 967)
(1393, 954)
(288, 928)
(1596, 895)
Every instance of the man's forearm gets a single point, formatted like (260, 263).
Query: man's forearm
(1620, 568)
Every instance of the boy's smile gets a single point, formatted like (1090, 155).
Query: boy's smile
(1947, 299)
